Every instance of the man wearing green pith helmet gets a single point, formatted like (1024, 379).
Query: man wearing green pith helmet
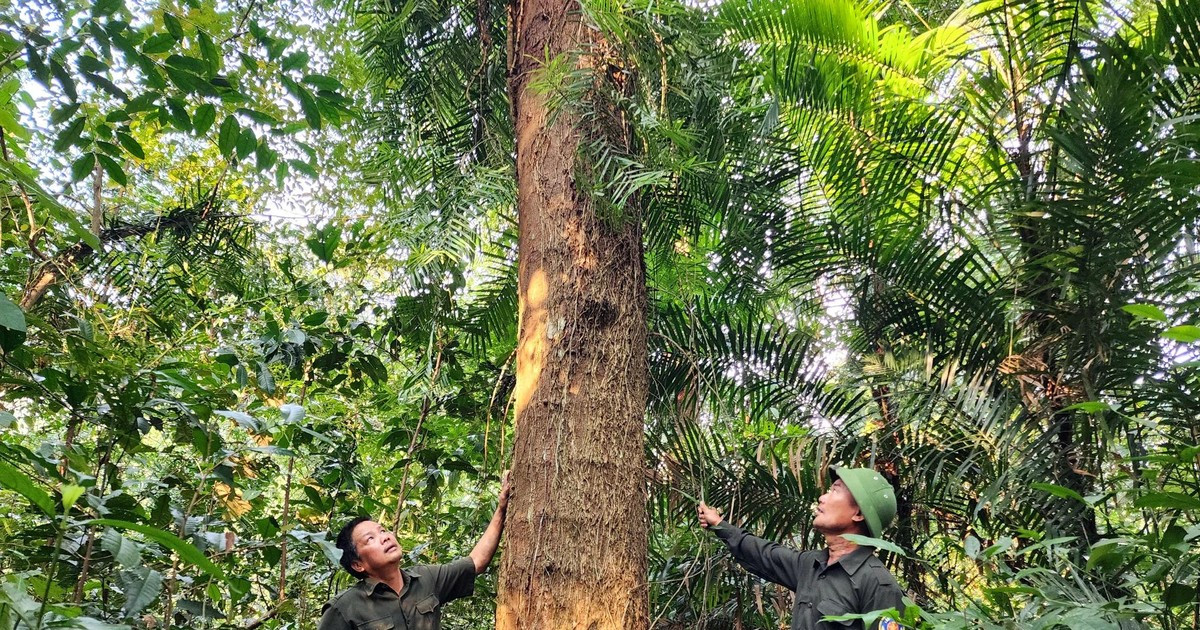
(842, 579)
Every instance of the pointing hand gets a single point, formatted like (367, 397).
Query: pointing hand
(709, 516)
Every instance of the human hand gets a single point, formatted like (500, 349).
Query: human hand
(709, 516)
(505, 491)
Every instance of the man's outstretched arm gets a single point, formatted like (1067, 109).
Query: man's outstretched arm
(482, 554)
(766, 559)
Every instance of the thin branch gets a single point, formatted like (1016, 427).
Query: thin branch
(97, 201)
(238, 32)
(426, 405)
(54, 269)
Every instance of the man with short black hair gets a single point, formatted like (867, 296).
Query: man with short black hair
(390, 598)
(842, 579)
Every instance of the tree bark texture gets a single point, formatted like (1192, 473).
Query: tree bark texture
(576, 535)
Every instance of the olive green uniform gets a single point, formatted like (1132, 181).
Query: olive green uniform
(373, 605)
(856, 584)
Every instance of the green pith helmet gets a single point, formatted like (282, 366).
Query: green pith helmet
(873, 494)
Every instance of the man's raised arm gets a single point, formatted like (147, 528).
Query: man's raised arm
(768, 560)
(482, 554)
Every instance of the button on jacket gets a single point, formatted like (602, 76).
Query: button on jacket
(856, 584)
(373, 605)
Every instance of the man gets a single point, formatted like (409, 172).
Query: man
(390, 598)
(842, 579)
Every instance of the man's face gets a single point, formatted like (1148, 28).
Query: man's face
(837, 512)
(377, 548)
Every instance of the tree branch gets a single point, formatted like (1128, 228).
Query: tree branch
(54, 269)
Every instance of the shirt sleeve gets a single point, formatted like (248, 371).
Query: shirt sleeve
(881, 596)
(766, 559)
(332, 620)
(454, 580)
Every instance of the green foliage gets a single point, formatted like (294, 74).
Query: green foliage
(956, 242)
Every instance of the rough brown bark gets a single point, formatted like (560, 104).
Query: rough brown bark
(575, 550)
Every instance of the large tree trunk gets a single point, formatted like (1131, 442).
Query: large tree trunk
(575, 546)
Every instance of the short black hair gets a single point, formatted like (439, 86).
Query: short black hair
(345, 542)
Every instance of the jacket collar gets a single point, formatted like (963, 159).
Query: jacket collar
(850, 562)
(371, 585)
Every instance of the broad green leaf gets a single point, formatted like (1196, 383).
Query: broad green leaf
(37, 65)
(210, 52)
(322, 82)
(230, 132)
(12, 324)
(1058, 491)
(64, 79)
(257, 116)
(160, 43)
(266, 381)
(88, 63)
(188, 64)
(173, 26)
(1179, 594)
(204, 118)
(153, 74)
(971, 547)
(332, 553)
(106, 7)
(259, 34)
(7, 420)
(281, 174)
(63, 114)
(16, 481)
(206, 442)
(142, 586)
(82, 166)
(295, 61)
(1090, 406)
(1146, 311)
(177, 111)
(10, 124)
(877, 543)
(1106, 552)
(185, 80)
(245, 420)
(303, 167)
(114, 170)
(106, 85)
(203, 610)
(246, 143)
(292, 413)
(1168, 501)
(227, 356)
(324, 242)
(312, 113)
(264, 156)
(70, 135)
(143, 103)
(1183, 334)
(131, 145)
(308, 105)
(123, 550)
(186, 551)
(70, 494)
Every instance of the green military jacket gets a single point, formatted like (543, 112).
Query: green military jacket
(857, 584)
(373, 605)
